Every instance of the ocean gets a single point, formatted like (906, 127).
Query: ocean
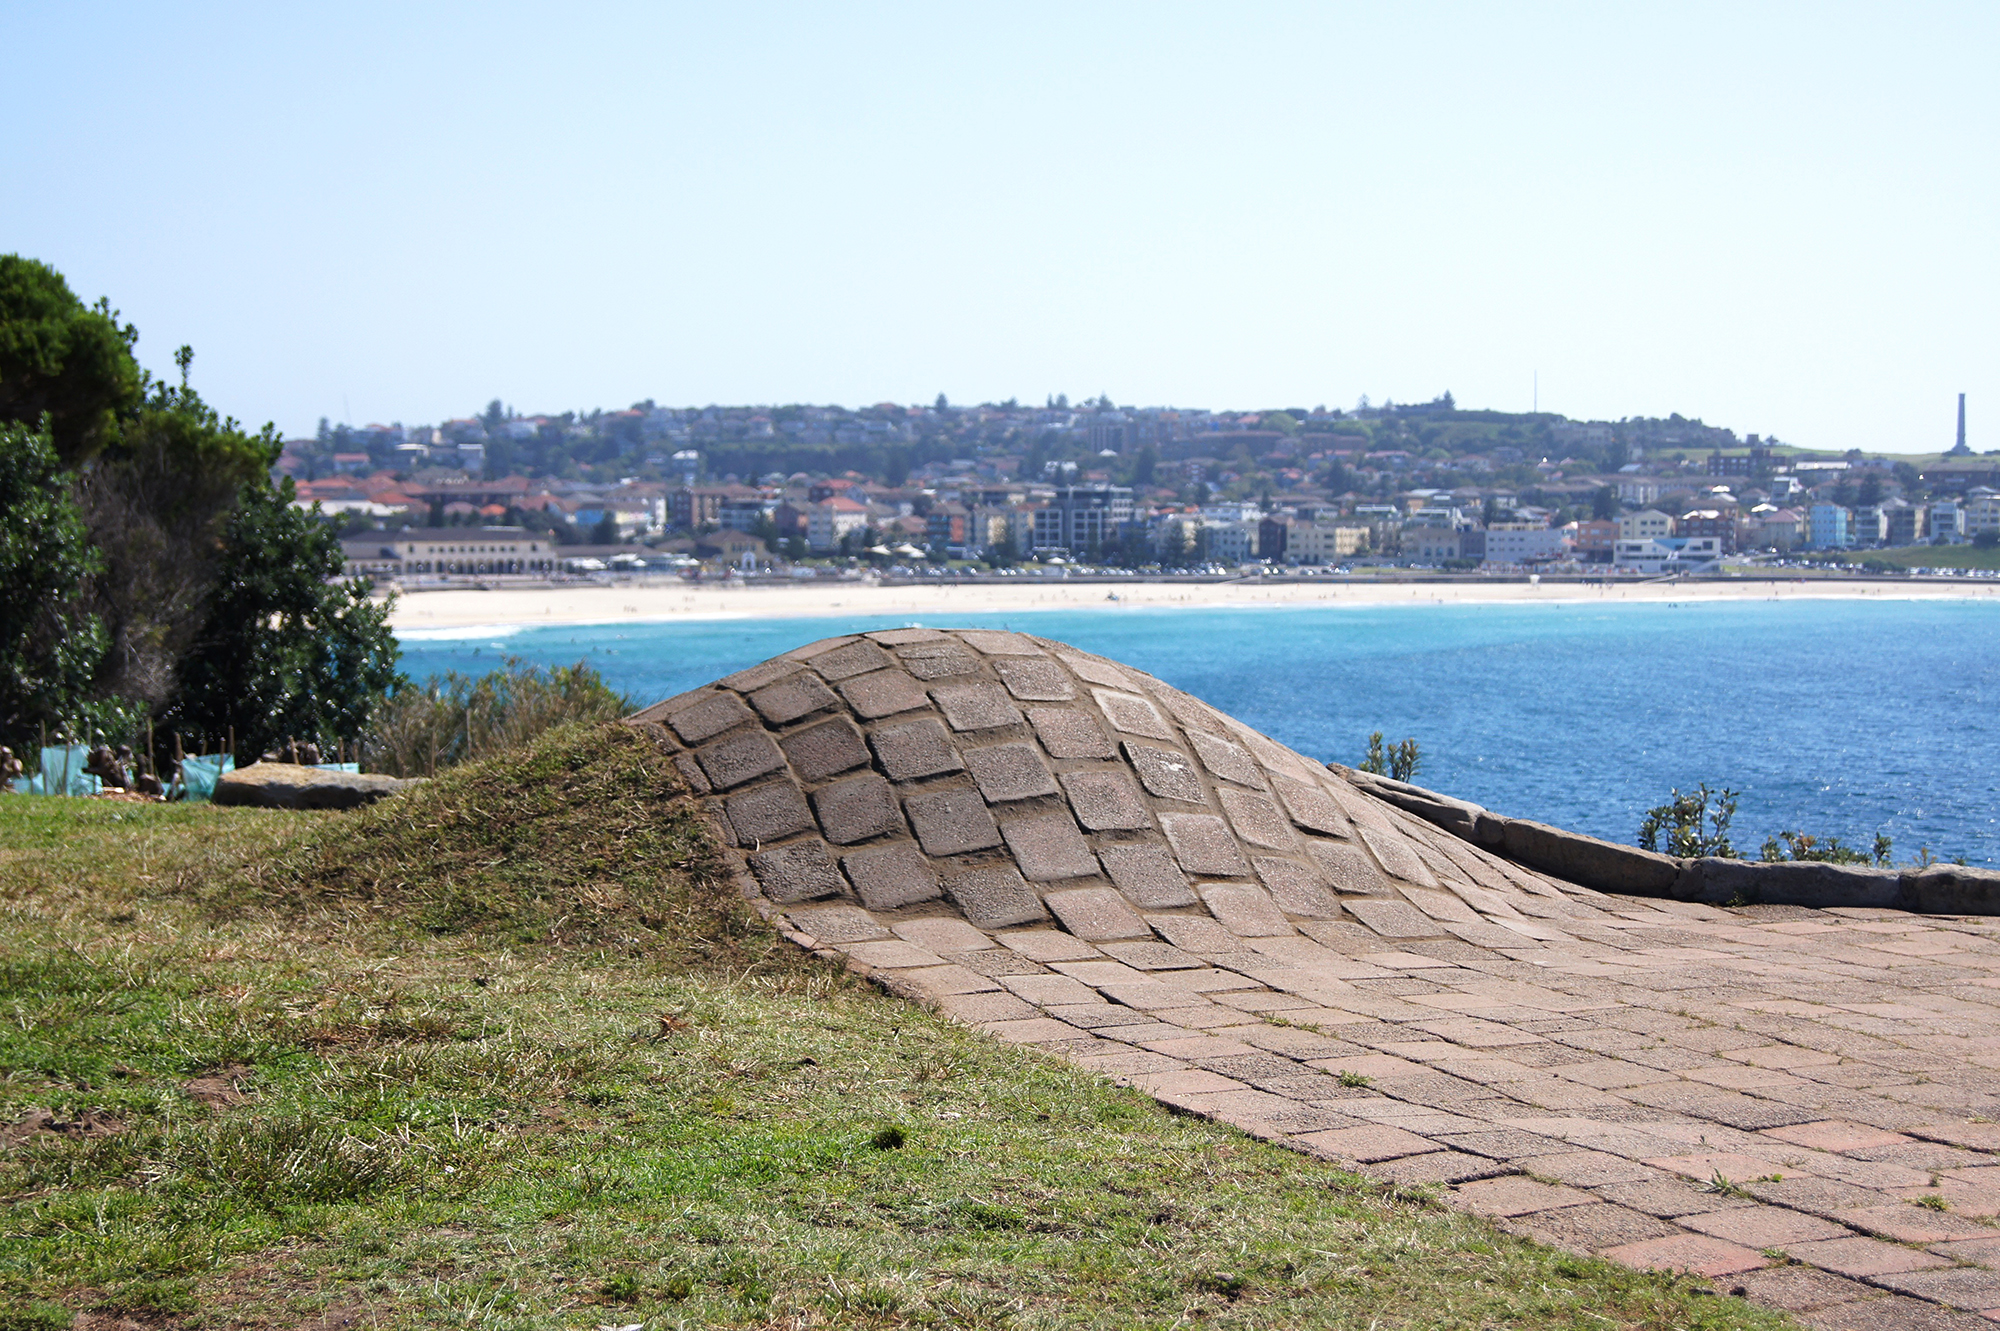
(1846, 718)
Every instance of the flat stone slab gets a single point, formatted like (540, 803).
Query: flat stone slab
(1800, 1103)
(291, 786)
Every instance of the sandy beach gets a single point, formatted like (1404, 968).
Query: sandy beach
(674, 599)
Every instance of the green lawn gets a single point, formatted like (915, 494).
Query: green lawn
(1937, 556)
(509, 1053)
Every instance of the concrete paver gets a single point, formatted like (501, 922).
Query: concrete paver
(1176, 902)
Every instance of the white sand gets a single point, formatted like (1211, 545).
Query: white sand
(672, 599)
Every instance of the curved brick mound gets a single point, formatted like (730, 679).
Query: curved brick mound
(888, 791)
(1072, 855)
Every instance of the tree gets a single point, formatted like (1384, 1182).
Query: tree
(282, 651)
(606, 530)
(59, 358)
(1604, 504)
(49, 644)
(1142, 470)
(155, 502)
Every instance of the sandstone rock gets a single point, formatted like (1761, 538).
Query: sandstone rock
(290, 786)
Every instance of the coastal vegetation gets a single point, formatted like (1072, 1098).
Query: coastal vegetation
(156, 578)
(509, 1050)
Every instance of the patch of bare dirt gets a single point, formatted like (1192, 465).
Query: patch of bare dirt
(90, 1123)
(220, 1087)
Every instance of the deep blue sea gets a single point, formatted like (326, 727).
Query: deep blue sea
(1839, 718)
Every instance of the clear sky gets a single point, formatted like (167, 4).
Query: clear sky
(1780, 218)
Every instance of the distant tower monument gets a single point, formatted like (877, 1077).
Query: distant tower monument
(1960, 447)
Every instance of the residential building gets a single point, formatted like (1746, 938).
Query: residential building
(949, 525)
(1981, 511)
(1947, 521)
(1640, 490)
(1081, 519)
(1780, 529)
(1867, 525)
(1717, 522)
(1431, 544)
(1324, 542)
(831, 519)
(1523, 543)
(1826, 527)
(1903, 523)
(1231, 542)
(1593, 540)
(1645, 525)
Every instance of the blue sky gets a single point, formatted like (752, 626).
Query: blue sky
(1777, 217)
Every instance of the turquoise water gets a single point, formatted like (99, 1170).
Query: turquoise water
(1831, 717)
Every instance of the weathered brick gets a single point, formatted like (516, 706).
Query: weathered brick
(938, 660)
(1096, 913)
(915, 749)
(1047, 846)
(1096, 669)
(942, 935)
(768, 812)
(994, 897)
(709, 718)
(827, 749)
(1035, 679)
(854, 659)
(1132, 714)
(883, 693)
(1000, 642)
(1007, 772)
(1198, 934)
(1107, 800)
(891, 876)
(1695, 1253)
(1067, 732)
(1256, 819)
(1203, 844)
(952, 822)
(1394, 919)
(976, 706)
(1296, 889)
(903, 637)
(1231, 762)
(690, 772)
(857, 808)
(1166, 773)
(1398, 856)
(799, 872)
(1244, 910)
(789, 699)
(1348, 869)
(757, 676)
(1311, 807)
(1147, 875)
(740, 758)
(837, 924)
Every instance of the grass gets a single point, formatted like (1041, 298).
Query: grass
(508, 1052)
(1934, 556)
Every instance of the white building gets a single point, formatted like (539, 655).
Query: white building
(831, 519)
(1948, 522)
(1232, 542)
(1667, 554)
(1523, 543)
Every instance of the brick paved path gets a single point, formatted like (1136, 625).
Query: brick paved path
(1069, 854)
